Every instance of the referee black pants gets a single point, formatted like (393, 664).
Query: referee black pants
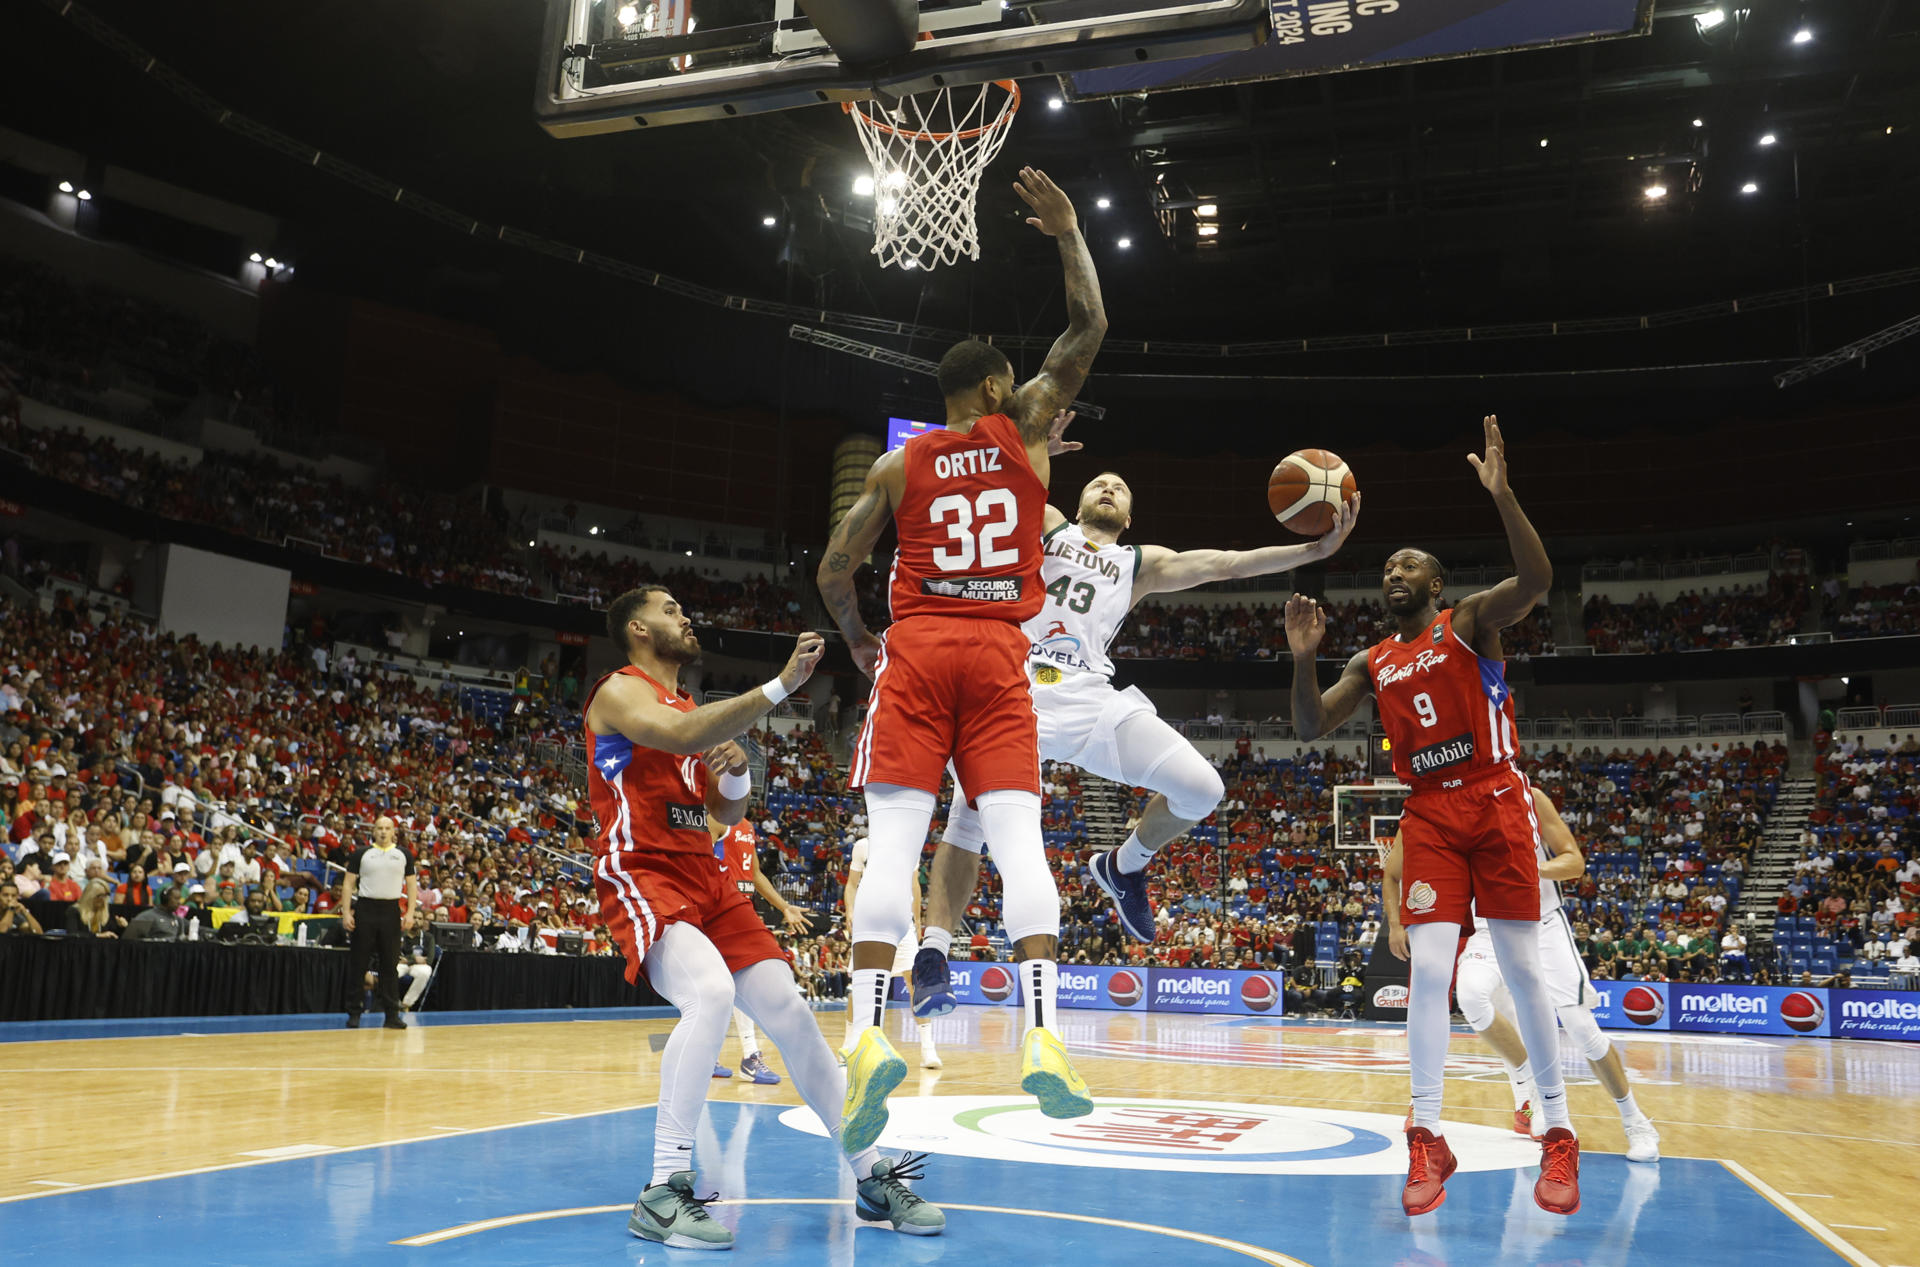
(376, 936)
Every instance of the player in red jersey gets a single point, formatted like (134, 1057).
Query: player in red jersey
(657, 768)
(1467, 828)
(950, 676)
(735, 848)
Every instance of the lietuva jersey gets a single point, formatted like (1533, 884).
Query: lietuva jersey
(643, 798)
(1447, 711)
(1089, 590)
(969, 526)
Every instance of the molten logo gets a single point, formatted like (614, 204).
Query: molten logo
(996, 983)
(1643, 1006)
(1259, 993)
(1124, 988)
(1802, 1012)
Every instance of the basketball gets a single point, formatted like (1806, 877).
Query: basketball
(1307, 489)
(996, 984)
(1643, 1006)
(1259, 993)
(1124, 988)
(1802, 1012)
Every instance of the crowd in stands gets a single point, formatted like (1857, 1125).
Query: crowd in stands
(594, 580)
(1193, 631)
(1740, 616)
(1875, 611)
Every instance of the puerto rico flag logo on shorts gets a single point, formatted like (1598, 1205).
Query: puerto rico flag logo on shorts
(1421, 897)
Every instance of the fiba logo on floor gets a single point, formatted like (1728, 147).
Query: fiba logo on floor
(1259, 993)
(1125, 989)
(1643, 1006)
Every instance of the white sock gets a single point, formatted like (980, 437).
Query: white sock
(749, 1040)
(867, 1000)
(1520, 1080)
(669, 1159)
(1553, 1106)
(862, 1162)
(940, 939)
(1133, 856)
(1628, 1109)
(926, 1033)
(1040, 978)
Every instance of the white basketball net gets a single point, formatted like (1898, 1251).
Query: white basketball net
(927, 155)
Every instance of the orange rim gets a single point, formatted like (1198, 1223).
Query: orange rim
(1006, 114)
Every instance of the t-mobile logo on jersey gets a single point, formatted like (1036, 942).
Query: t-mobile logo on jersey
(1421, 663)
(686, 817)
(1439, 756)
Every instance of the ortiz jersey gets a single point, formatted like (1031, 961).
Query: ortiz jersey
(969, 526)
(1447, 711)
(1089, 590)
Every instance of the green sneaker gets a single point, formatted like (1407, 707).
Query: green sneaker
(670, 1213)
(884, 1197)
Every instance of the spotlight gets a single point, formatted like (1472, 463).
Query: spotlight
(1699, 123)
(530, 543)
(255, 257)
(1124, 243)
(863, 186)
(895, 179)
(83, 196)
(1750, 188)
(1803, 36)
(1209, 230)
(594, 531)
(887, 206)
(1543, 142)
(1207, 209)
(689, 554)
(628, 14)
(1054, 103)
(769, 221)
(66, 186)
(1104, 203)
(1768, 139)
(1704, 22)
(270, 262)
(909, 263)
(1656, 192)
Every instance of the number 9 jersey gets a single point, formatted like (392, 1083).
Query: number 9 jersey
(969, 526)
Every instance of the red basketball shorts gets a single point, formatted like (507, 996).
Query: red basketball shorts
(951, 688)
(1475, 845)
(643, 892)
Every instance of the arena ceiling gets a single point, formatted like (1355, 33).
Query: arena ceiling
(1505, 188)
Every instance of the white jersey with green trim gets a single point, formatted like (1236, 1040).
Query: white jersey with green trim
(1089, 591)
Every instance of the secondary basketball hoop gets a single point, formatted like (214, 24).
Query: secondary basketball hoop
(928, 153)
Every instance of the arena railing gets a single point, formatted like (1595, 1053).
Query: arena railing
(1681, 569)
(1869, 717)
(1869, 551)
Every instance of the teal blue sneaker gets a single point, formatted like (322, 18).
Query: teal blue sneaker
(884, 1197)
(670, 1214)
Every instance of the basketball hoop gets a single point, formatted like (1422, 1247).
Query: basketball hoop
(927, 155)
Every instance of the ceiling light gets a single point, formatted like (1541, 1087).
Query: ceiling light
(1209, 230)
(1803, 36)
(1889, 129)
(1207, 209)
(1543, 142)
(1768, 139)
(255, 257)
(530, 543)
(1125, 243)
(887, 206)
(1699, 123)
(594, 531)
(272, 262)
(66, 186)
(894, 179)
(769, 221)
(1054, 103)
(1104, 203)
(84, 196)
(863, 186)
(628, 14)
(1750, 188)
(909, 263)
(1656, 192)
(1704, 22)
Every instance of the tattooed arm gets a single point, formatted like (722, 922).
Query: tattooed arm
(1071, 360)
(852, 541)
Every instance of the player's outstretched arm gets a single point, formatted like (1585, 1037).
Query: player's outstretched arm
(1314, 713)
(1163, 571)
(632, 708)
(852, 541)
(725, 758)
(1071, 359)
(1509, 602)
(1564, 860)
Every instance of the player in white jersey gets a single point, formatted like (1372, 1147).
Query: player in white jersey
(902, 958)
(1092, 582)
(1484, 1001)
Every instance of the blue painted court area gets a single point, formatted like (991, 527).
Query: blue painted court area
(464, 1199)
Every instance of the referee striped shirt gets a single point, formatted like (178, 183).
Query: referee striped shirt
(383, 872)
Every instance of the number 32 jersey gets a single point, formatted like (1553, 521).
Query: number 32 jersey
(1447, 710)
(969, 526)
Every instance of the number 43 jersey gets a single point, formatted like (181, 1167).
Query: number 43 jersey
(1089, 590)
(969, 526)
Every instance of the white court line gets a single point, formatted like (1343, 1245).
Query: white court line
(1834, 1241)
(285, 1150)
(1859, 1227)
(53, 1183)
(1824, 1196)
(544, 1114)
(458, 1130)
(351, 1148)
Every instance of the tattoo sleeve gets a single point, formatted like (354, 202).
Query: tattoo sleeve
(1071, 359)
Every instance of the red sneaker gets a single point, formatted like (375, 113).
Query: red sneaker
(1429, 1164)
(1523, 1120)
(1557, 1191)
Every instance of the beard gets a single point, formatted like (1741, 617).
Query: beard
(1105, 518)
(1408, 605)
(682, 650)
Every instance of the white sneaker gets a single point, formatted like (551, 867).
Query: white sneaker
(929, 1058)
(1643, 1142)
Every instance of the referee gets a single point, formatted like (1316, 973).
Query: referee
(370, 912)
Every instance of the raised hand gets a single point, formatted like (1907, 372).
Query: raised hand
(807, 650)
(1336, 536)
(1306, 625)
(1492, 469)
(1053, 212)
(1056, 445)
(726, 758)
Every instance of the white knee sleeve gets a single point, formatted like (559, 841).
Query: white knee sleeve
(1030, 903)
(1155, 755)
(963, 825)
(1475, 988)
(1585, 1032)
(897, 822)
